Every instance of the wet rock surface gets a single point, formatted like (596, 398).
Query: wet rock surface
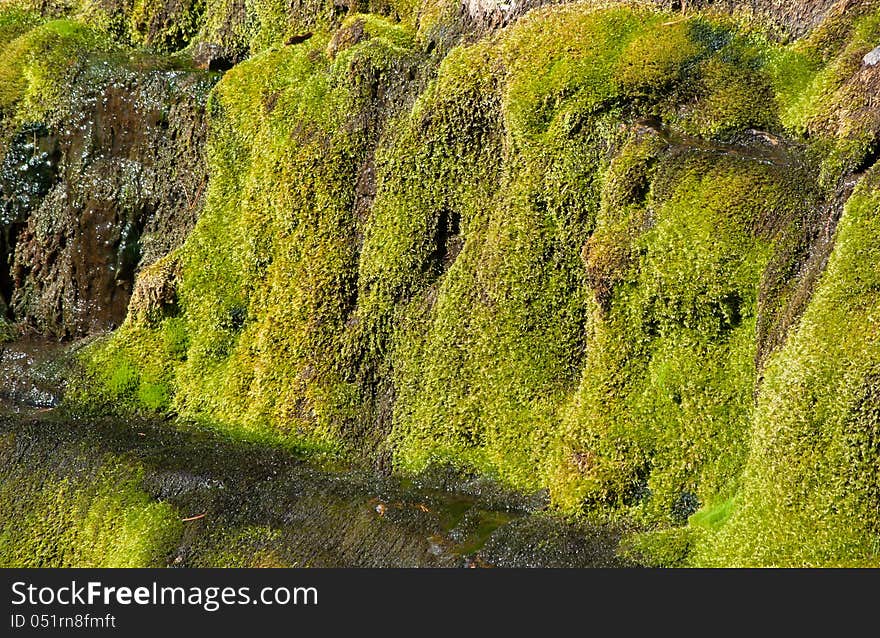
(250, 505)
(31, 375)
(89, 200)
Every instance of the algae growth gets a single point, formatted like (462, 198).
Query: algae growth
(609, 251)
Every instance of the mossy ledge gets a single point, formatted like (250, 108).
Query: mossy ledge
(610, 251)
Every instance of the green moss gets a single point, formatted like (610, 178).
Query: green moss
(281, 124)
(134, 370)
(821, 88)
(667, 548)
(154, 396)
(15, 22)
(663, 408)
(810, 487)
(485, 354)
(251, 546)
(160, 26)
(7, 331)
(258, 344)
(122, 378)
(713, 517)
(38, 67)
(658, 57)
(152, 24)
(82, 520)
(263, 24)
(557, 281)
(734, 97)
(488, 356)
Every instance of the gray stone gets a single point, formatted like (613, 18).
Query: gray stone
(873, 57)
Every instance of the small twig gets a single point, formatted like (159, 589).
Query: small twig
(196, 198)
(194, 518)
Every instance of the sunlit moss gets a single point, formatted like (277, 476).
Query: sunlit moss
(102, 520)
(546, 268)
(38, 67)
(810, 488)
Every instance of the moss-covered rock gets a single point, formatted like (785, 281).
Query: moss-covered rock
(557, 278)
(809, 490)
(584, 253)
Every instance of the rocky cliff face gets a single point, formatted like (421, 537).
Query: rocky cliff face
(124, 187)
(103, 174)
(623, 252)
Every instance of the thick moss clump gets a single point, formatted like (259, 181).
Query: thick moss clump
(38, 67)
(529, 238)
(810, 491)
(260, 341)
(662, 414)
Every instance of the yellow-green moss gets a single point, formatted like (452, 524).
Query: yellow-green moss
(259, 345)
(557, 282)
(15, 21)
(263, 24)
(662, 412)
(152, 24)
(38, 66)
(810, 488)
(83, 520)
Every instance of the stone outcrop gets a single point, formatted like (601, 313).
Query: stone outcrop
(114, 185)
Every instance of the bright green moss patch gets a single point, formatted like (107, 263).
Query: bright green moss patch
(812, 466)
(101, 519)
(132, 371)
(713, 517)
(38, 67)
(663, 408)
